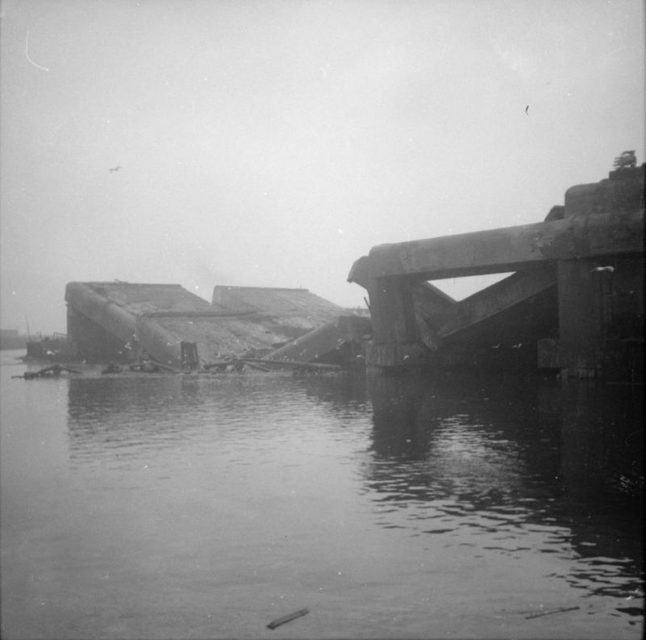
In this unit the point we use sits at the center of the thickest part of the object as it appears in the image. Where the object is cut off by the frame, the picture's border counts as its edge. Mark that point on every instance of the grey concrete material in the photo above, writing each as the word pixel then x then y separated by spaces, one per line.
pixel 324 341
pixel 104 312
pixel 310 346
pixel 392 311
pixel 161 345
pixel 433 302
pixel 88 340
pixel 361 272
pixel 508 248
pixel 157 318
pixel 121 323
pixel 396 355
pixel 578 282
pixel 599 302
pixel 431 307
pixel 496 299
pixel 296 305
pixel 623 191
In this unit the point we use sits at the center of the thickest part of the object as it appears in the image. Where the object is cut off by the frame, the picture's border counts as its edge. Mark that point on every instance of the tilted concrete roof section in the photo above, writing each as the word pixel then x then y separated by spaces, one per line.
pixel 325 343
pixel 159 317
pixel 278 301
pixel 140 298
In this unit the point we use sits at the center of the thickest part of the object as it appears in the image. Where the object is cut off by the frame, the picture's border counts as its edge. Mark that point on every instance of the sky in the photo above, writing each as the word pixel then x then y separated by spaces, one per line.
pixel 272 143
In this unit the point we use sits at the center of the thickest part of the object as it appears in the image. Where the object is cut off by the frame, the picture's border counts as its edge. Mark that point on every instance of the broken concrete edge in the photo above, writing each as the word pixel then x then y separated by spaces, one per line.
pixel 505 249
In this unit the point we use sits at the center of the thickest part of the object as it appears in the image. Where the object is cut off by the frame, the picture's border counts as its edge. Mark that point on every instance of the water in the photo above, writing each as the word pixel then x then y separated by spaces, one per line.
pixel 182 507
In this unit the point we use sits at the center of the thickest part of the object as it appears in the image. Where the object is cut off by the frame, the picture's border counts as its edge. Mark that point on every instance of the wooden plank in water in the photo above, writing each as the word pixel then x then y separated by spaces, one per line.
pixel 549 612
pixel 288 618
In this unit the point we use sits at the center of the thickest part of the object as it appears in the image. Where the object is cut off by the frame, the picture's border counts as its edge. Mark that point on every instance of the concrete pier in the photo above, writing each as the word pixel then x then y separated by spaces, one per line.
pixel 574 302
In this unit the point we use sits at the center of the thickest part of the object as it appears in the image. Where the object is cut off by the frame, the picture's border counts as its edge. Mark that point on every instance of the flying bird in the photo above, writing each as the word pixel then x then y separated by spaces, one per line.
pixel 115 168
pixel 527 109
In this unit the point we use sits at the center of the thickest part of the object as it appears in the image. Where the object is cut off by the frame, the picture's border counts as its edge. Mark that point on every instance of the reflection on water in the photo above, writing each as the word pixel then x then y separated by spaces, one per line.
pixel 107 415
pixel 189 506
pixel 123 415
pixel 466 459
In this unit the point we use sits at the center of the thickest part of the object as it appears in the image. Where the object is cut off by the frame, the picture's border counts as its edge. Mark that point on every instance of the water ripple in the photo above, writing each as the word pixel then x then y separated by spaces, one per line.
pixel 358 497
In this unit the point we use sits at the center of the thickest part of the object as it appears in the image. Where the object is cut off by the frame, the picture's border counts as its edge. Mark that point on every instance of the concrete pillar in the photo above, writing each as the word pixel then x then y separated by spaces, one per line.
pixel 396 336
pixel 596 293
pixel 583 316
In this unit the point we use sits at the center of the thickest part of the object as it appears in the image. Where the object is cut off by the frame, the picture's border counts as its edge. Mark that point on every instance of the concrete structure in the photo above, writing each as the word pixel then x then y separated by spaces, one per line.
pixel 338 342
pixel 126 321
pixel 296 310
pixel 574 303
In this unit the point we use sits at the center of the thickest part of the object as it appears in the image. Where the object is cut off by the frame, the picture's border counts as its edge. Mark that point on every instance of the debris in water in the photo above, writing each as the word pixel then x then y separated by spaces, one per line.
pixel 550 611
pixel 288 618
pixel 112 367
pixel 48 372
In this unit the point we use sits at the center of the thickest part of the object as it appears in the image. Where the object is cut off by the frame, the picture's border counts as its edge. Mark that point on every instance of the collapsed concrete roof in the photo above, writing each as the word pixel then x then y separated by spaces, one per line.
pixel 298 308
pixel 104 318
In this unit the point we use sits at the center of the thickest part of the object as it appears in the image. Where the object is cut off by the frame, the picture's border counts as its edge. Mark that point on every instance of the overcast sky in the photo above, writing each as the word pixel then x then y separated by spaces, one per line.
pixel 272 143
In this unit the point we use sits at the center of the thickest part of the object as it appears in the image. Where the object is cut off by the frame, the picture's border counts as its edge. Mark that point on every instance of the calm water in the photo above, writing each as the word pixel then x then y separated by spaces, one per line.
pixel 186 507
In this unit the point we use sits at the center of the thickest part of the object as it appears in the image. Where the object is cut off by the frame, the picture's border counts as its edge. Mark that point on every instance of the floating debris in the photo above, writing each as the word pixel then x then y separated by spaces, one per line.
pixel 288 618
pixel 549 612
pixel 262 364
pixel 112 367
pixel 48 372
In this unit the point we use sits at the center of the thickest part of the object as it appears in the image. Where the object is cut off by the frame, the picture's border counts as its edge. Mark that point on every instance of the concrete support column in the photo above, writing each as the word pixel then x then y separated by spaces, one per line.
pixel 583 309
pixel 396 337
pixel 601 313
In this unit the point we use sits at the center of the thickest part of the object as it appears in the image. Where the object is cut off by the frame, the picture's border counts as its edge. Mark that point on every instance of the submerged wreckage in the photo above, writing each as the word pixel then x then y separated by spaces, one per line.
pixel 165 323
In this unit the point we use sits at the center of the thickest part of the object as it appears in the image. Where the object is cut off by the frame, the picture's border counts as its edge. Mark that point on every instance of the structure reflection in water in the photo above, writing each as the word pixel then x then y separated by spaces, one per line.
pixel 492 469
pixel 489 463
pixel 603 440
pixel 122 414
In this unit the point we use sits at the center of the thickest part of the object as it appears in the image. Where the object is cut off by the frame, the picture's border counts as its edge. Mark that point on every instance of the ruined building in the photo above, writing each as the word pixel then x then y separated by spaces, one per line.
pixel 165 322
pixel 574 303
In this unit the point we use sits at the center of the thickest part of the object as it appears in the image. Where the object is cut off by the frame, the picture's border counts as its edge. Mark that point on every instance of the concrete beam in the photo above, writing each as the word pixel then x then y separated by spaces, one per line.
pixel 431 306
pixel 122 324
pixel 105 313
pixel 505 249
pixel 496 299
